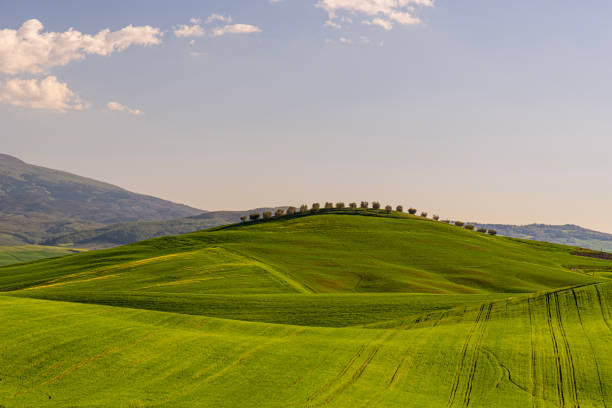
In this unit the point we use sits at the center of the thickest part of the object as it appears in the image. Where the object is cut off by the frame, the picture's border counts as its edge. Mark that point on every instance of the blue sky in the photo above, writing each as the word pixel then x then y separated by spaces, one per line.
pixel 481 111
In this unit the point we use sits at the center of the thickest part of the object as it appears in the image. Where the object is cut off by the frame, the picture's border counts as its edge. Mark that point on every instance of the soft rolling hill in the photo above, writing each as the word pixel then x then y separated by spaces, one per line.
pixel 560 234
pixel 128 232
pixel 24 253
pixel 37 203
pixel 337 309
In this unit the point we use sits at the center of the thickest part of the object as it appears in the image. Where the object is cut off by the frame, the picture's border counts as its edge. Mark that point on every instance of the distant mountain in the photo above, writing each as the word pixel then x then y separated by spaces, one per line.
pixel 125 233
pixel 559 234
pixel 38 204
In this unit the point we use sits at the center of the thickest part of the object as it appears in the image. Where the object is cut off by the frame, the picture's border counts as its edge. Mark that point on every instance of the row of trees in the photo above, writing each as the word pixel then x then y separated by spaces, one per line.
pixel 470 227
pixel 364 205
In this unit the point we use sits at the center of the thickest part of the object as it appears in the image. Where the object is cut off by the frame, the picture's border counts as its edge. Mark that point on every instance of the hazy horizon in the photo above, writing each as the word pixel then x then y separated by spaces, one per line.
pixel 477 111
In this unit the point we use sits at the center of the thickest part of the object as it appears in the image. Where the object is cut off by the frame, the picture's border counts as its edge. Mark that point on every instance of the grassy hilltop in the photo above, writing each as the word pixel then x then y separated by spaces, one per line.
pixel 335 309
pixel 25 253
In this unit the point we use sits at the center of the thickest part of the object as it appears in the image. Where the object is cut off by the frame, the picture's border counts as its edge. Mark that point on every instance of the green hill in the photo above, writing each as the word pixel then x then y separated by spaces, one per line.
pixel 128 232
pixel 37 203
pixel 335 309
pixel 25 253
pixel 560 234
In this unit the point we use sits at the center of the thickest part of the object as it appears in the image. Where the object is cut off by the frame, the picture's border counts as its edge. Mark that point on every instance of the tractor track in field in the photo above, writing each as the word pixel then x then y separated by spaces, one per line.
pixel 562 350
pixel 356 375
pixel 83 363
pixel 232 365
pixel 477 348
pixel 604 310
pixel 568 353
pixel 557 357
pixel 372 348
pixel 505 371
pixel 478 329
pixel 532 361
pixel 586 335
pixel 338 376
pixel 459 370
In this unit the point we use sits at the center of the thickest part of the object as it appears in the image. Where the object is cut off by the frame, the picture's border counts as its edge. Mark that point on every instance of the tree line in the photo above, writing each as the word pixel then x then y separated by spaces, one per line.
pixel 363 206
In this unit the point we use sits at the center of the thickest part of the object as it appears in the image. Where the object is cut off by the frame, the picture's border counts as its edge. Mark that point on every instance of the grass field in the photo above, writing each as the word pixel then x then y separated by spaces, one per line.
pixel 329 310
pixel 25 253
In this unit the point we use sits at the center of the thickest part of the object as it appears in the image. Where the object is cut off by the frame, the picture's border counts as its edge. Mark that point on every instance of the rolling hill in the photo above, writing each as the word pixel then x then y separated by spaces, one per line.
pixel 25 253
pixel 339 309
pixel 128 232
pixel 569 234
pixel 37 204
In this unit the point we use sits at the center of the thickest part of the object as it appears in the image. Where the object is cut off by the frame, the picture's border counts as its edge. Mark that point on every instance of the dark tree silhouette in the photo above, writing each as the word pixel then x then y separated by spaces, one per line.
pixel 267 215
pixel 399 208
pixel 388 209
pixel 243 218
pixel 254 216
pixel 412 211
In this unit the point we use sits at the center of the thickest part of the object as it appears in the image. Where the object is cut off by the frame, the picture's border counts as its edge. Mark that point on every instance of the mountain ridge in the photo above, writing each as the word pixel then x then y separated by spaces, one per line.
pixel 39 203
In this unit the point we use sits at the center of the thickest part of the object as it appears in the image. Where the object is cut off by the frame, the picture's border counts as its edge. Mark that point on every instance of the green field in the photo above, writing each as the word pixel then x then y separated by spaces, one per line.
pixel 25 253
pixel 335 310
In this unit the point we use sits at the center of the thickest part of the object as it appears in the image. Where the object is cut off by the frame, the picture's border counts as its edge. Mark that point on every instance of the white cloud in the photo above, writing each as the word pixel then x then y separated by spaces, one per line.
pixel 364 40
pixel 385 24
pixel 218 17
pixel 194 30
pixel 235 29
pixel 399 11
pixel 47 93
pixel 29 50
pixel 116 106
pixel 332 24
pixel 345 40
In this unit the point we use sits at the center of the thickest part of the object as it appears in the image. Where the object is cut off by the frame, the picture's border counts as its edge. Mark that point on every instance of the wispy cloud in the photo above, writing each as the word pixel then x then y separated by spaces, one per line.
pixel 383 13
pixel 28 50
pixel 47 93
pixel 218 17
pixel 381 22
pixel 332 24
pixel 116 106
pixel 194 30
pixel 235 29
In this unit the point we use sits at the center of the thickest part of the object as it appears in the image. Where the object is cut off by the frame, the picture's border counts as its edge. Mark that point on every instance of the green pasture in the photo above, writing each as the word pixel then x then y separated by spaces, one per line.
pixel 336 309
pixel 25 253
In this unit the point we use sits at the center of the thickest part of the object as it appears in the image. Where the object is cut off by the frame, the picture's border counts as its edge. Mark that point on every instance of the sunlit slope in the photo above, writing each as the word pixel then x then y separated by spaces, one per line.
pixel 544 350
pixel 24 253
pixel 314 254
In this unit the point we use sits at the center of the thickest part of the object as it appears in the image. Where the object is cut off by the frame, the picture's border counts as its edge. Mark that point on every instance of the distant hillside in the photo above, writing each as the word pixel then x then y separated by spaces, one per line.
pixel 573 235
pixel 37 203
pixel 339 309
pixel 126 233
